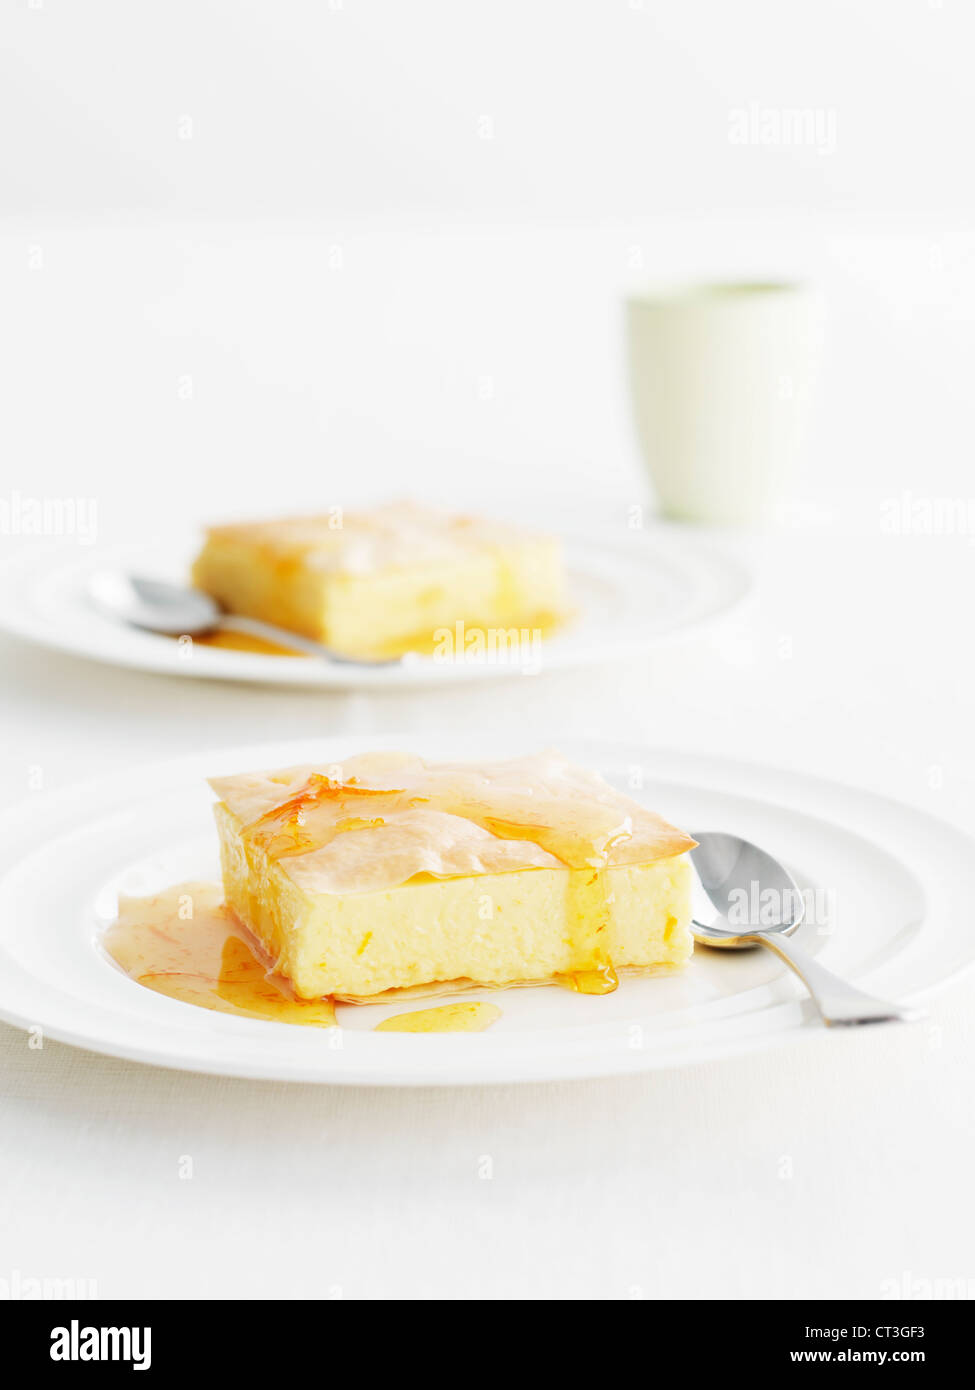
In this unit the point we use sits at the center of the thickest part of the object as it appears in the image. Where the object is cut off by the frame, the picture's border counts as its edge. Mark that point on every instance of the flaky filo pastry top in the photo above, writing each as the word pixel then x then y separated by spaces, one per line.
pixel 397 535
pixel 380 819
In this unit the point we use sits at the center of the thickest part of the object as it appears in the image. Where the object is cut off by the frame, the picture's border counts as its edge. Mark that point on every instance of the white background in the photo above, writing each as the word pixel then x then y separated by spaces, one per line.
pixel 259 255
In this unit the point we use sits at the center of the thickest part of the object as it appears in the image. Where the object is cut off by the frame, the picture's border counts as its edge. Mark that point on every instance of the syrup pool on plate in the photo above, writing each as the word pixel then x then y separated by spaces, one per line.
pixel 185 944
pixel 241 642
pixel 471 1016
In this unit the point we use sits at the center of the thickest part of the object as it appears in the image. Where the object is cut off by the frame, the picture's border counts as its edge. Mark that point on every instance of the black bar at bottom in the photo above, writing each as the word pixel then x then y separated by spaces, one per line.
pixel 164 1339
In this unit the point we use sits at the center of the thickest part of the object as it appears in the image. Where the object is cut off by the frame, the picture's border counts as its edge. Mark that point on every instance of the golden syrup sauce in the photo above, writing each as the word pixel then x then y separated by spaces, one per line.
pixel 425 643
pixel 429 643
pixel 242 642
pixel 185 944
pixel 588 910
pixel 472 1016
pixel 420 644
pixel 315 814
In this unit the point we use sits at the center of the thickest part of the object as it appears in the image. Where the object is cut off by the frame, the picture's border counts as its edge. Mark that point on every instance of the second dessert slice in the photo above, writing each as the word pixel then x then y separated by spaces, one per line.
pixel 386 581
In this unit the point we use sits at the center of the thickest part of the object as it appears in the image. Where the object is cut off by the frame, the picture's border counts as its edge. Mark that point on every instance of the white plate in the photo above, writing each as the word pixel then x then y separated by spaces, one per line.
pixel 638 591
pixel 896 885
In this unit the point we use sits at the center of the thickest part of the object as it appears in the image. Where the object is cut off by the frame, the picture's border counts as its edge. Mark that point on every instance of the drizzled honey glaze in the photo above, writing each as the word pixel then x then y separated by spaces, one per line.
pixel 185 944
pixel 420 644
pixel 314 815
pixel 587 907
pixel 324 807
pixel 430 642
pixel 472 1016
pixel 242 642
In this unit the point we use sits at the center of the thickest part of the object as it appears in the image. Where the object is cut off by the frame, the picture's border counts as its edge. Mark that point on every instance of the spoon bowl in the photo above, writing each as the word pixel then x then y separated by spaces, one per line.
pixel 155 605
pixel 741 889
pixel 744 897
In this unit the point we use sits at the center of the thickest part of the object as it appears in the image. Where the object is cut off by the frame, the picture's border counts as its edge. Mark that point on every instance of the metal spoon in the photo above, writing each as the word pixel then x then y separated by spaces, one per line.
pixel 742 883
pixel 157 606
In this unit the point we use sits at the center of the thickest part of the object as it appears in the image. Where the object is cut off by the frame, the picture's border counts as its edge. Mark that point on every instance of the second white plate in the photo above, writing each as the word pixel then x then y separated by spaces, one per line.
pixel 641 590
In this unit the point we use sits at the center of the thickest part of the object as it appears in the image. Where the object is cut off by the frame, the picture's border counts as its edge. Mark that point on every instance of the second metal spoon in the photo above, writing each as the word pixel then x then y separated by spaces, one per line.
pixel 158 606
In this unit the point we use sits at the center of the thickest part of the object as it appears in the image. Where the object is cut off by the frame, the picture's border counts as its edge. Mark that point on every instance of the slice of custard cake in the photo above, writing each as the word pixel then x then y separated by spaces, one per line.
pixel 392 873
pixel 385 581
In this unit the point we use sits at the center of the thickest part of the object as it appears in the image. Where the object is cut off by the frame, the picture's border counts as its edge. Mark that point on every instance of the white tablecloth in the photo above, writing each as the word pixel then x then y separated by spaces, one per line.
pixel 831 1168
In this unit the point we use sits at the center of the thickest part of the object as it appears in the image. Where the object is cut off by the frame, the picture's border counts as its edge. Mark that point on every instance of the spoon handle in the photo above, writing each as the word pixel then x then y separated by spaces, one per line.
pixel 839 1003
pixel 283 637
